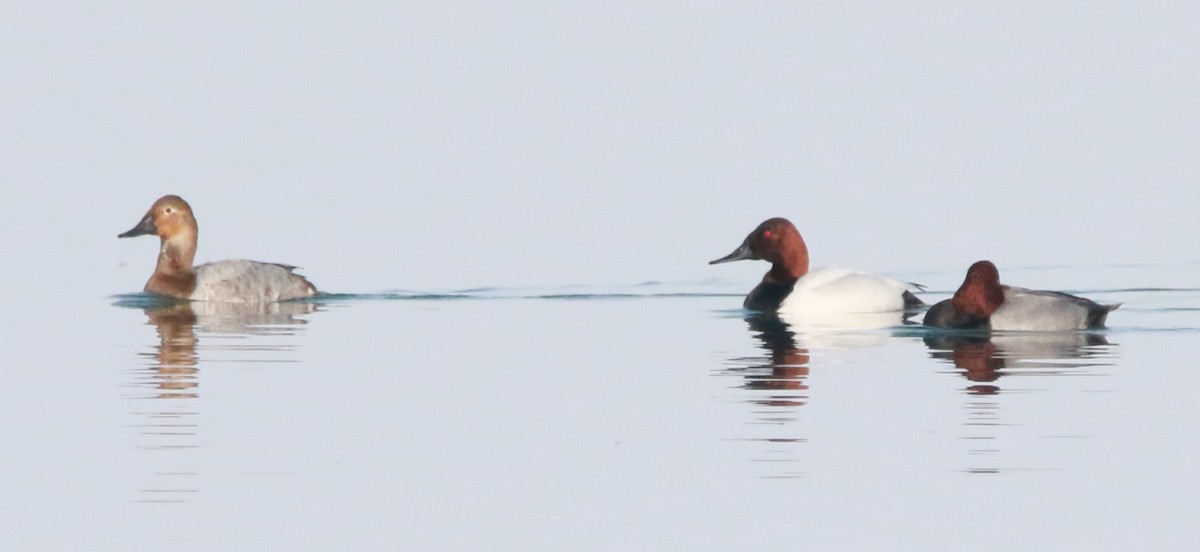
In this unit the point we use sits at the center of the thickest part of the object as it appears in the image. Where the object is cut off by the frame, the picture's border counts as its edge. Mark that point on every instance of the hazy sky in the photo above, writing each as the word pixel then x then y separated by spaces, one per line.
pixel 445 144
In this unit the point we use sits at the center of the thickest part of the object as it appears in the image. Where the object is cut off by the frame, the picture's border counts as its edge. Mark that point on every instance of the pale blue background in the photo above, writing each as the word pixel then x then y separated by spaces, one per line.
pixel 445 144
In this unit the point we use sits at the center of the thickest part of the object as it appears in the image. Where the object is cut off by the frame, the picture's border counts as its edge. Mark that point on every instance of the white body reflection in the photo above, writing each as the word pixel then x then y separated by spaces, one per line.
pixel 843 331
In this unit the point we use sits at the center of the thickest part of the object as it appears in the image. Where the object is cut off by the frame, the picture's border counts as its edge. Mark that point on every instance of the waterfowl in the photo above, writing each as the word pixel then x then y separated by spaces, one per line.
pixel 231 281
pixel 790 287
pixel 982 302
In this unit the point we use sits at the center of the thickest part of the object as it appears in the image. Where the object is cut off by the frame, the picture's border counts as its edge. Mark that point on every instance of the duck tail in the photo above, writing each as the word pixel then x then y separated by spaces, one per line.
pixel 912 302
pixel 1097 317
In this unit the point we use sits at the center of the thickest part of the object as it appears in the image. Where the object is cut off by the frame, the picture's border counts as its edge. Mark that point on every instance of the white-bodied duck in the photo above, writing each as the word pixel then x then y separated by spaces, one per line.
pixel 790 287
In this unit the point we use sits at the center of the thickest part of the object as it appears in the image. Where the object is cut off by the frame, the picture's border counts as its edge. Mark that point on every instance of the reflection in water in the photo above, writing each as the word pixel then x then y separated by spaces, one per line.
pixel 173 372
pixel 984 359
pixel 170 380
pixel 844 331
pixel 778 386
pixel 782 377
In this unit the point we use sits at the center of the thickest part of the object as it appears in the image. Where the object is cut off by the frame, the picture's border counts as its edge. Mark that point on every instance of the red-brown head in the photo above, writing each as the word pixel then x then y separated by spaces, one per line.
pixel 775 240
pixel 980 293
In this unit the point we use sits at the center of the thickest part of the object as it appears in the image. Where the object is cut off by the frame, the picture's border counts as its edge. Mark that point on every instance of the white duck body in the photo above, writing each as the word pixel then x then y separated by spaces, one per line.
pixel 836 290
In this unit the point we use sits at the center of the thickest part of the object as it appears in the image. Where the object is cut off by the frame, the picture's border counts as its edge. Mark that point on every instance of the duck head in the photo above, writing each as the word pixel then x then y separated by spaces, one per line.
pixel 777 241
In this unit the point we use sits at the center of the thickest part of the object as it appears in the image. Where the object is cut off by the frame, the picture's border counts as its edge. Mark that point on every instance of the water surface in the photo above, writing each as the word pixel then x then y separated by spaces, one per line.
pixel 643 417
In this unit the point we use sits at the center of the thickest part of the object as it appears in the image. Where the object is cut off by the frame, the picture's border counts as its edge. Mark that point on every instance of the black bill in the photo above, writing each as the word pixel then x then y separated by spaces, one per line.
pixel 743 252
pixel 145 227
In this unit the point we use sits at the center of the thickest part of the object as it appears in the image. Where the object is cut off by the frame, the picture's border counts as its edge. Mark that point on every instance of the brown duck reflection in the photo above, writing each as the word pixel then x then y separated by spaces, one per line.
pixel 775 385
pixel 174 370
pixel 787 370
pixel 169 424
pixel 984 358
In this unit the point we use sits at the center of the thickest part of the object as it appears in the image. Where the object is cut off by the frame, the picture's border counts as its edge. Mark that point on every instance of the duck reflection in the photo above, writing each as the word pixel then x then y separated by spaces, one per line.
pixel 776 384
pixel 984 358
pixel 845 331
pixel 170 379
pixel 173 370
pixel 786 368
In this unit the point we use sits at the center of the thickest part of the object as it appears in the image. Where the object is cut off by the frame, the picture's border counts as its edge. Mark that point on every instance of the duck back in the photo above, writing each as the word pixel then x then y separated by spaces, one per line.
pixel 1036 310
pixel 242 281
pixel 843 290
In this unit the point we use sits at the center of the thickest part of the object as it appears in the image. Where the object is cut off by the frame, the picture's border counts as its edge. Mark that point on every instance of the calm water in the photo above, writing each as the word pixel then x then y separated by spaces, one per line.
pixel 653 417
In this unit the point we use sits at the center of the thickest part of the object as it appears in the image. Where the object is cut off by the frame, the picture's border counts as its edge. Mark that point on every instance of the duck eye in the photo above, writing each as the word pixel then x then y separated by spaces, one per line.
pixel 167 210
pixel 767 234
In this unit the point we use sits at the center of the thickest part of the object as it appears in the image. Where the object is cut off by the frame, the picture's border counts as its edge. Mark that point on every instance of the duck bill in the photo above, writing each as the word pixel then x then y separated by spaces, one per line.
pixel 742 253
pixel 145 227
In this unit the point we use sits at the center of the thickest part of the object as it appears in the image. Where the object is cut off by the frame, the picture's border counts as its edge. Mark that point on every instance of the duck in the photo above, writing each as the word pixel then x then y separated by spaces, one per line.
pixel 791 288
pixel 228 281
pixel 982 302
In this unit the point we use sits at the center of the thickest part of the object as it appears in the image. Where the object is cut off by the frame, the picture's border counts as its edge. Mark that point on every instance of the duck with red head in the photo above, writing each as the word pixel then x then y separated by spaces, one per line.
pixel 790 287
pixel 974 302
pixel 981 302
pixel 230 281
